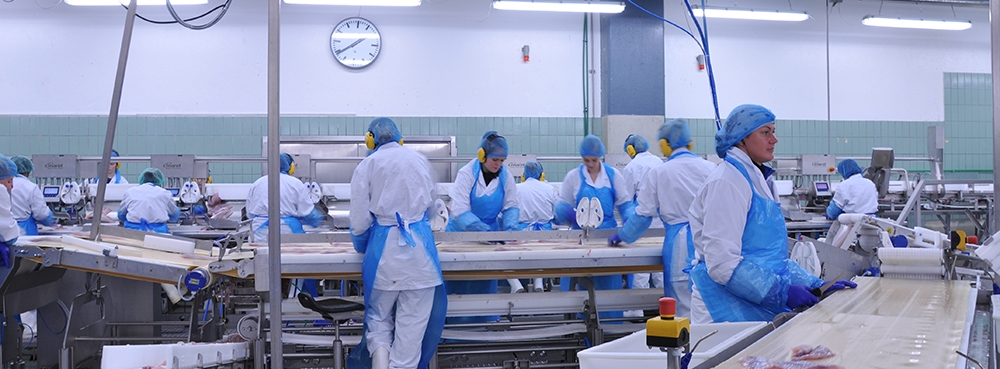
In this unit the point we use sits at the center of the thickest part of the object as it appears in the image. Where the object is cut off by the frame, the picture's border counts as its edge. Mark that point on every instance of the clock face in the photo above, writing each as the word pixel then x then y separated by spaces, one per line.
pixel 355 42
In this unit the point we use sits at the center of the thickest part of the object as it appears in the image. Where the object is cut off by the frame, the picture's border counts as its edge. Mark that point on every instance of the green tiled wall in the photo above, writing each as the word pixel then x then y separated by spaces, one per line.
pixel 967 105
pixel 242 136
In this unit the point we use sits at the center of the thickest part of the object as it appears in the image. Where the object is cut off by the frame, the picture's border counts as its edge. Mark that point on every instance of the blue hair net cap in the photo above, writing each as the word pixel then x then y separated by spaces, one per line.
pixel 741 122
pixel 676 132
pixel 592 146
pixel 7 167
pixel 114 153
pixel 495 147
pixel 286 162
pixel 638 142
pixel 848 167
pixel 532 169
pixel 384 130
pixel 151 175
pixel 24 165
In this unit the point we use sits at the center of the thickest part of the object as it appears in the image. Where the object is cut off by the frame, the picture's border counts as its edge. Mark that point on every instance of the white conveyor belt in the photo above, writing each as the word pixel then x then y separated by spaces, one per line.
pixel 884 323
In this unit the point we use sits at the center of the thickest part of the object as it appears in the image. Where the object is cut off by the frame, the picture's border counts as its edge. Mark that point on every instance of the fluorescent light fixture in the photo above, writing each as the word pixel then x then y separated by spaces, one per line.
pixel 581 6
pixel 357 2
pixel 126 2
pixel 771 15
pixel 945 25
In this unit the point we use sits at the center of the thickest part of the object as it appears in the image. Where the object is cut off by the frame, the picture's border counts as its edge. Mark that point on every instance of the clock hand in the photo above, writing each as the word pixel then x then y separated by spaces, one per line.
pixel 350 46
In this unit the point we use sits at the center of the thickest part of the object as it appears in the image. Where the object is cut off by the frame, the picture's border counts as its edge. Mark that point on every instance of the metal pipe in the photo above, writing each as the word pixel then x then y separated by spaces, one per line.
pixel 273 183
pixel 995 56
pixel 116 100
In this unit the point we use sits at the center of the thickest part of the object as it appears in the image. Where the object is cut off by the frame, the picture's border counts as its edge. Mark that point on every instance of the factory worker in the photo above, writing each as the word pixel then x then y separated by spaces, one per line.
pixel 642 161
pixel 483 198
pixel 667 192
pixel 405 300
pixel 26 200
pixel 148 207
pixel 743 272
pixel 537 199
pixel 856 194
pixel 114 176
pixel 9 231
pixel 594 179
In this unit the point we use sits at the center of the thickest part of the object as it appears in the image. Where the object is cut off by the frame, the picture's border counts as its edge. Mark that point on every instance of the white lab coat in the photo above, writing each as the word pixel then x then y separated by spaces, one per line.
pixel 8 226
pixel 294 203
pixel 856 194
pixel 718 217
pixel 462 188
pixel 636 169
pixel 27 200
pixel 395 179
pixel 115 179
pixel 536 199
pixel 571 185
pixel 149 202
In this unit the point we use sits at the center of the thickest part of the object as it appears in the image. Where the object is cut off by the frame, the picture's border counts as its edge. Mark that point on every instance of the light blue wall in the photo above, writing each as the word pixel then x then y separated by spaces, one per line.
pixel 968 128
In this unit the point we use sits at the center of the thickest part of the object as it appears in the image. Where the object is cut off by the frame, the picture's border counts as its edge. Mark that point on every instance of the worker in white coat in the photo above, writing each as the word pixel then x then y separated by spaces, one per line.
pixel 642 161
pixel 743 272
pixel 296 207
pixel 405 303
pixel 26 200
pixel 594 179
pixel 667 192
pixel 148 207
pixel 114 176
pixel 483 199
pixel 9 231
pixel 537 200
pixel 856 194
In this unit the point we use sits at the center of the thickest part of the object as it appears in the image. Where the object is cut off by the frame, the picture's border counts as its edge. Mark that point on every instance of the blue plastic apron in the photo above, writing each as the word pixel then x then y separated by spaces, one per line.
pixel 147 227
pixel 671 231
pixel 765 243
pixel 29 226
pixel 536 226
pixel 360 357
pixel 607 197
pixel 486 208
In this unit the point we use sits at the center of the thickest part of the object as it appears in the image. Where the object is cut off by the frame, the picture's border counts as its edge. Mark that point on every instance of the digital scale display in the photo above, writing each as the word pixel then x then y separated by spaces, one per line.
pixel 822 188
pixel 174 191
pixel 50 191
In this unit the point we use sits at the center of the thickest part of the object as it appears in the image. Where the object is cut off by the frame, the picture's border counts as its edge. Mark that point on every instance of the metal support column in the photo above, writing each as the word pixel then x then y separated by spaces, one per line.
pixel 273 183
pixel 995 56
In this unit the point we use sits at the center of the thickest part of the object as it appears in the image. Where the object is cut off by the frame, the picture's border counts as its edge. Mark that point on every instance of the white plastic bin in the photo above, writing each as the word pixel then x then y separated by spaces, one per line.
pixel 631 351
pixel 187 355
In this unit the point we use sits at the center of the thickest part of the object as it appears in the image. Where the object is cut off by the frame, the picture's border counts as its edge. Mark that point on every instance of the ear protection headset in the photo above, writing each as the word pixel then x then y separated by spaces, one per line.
pixel 667 149
pixel 542 177
pixel 481 154
pixel 370 140
pixel 630 149
pixel 291 169
pixel 118 165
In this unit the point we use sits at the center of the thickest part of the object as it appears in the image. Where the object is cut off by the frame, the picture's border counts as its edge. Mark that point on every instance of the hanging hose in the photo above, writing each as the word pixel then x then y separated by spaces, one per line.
pixel 586 86
pixel 182 22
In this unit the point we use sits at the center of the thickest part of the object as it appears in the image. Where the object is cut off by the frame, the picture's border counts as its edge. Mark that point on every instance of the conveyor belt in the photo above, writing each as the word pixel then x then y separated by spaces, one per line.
pixel 884 323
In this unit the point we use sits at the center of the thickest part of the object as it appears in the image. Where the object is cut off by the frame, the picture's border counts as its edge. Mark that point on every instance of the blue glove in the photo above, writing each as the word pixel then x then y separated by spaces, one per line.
pixel 198 210
pixel 5 253
pixel 477 227
pixel 800 296
pixel 174 217
pixel 469 222
pixel 839 285
pixel 49 221
pixel 121 214
pixel 511 219
pixel 872 272
pixel 565 213
pixel 315 218
pixel 833 211
pixel 614 240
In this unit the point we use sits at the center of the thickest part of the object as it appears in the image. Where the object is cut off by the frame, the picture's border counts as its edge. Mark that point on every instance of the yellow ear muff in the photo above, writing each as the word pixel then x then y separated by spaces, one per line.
pixel 665 147
pixel 542 177
pixel 291 169
pixel 691 146
pixel 370 140
pixel 209 180
pixel 118 165
pixel 630 150
pixel 400 142
pixel 481 155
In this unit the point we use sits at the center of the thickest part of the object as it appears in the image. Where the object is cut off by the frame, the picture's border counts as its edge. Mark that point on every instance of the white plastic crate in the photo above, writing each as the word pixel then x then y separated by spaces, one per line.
pixel 631 351
pixel 188 355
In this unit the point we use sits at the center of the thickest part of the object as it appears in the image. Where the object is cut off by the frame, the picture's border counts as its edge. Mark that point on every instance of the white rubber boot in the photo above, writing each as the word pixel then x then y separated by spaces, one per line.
pixel 380 358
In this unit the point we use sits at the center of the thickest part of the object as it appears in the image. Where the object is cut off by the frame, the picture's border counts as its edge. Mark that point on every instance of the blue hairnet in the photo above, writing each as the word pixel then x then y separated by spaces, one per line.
pixel 384 130
pixel 151 175
pixel 592 146
pixel 7 167
pixel 114 153
pixel 24 164
pixel 638 142
pixel 286 162
pixel 676 132
pixel 532 169
pixel 740 123
pixel 495 147
pixel 848 167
